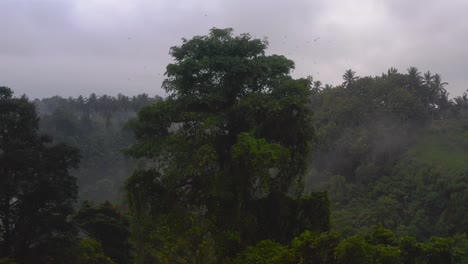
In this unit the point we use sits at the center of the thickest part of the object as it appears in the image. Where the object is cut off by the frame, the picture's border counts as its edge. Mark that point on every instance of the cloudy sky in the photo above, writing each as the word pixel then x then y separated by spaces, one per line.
pixel 73 47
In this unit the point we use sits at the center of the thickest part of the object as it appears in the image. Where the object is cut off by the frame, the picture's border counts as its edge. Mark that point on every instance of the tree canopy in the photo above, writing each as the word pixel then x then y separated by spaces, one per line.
pixel 234 129
pixel 36 190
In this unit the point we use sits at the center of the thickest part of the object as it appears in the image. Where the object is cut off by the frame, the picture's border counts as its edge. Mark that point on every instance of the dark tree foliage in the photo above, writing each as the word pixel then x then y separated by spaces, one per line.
pixel 275 214
pixel 460 104
pixel 105 224
pixel 234 129
pixel 90 252
pixel 36 189
pixel 379 246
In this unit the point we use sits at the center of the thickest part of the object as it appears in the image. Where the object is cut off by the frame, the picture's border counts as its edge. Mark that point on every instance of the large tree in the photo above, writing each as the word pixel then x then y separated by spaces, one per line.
pixel 36 190
pixel 233 132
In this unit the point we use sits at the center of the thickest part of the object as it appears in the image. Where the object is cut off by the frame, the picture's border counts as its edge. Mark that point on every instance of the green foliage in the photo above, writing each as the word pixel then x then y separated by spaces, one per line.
pixel 315 247
pixel 387 153
pixel 6 260
pixel 218 151
pixel 441 250
pixel 161 232
pixel 354 250
pixel 411 250
pixel 444 146
pixel 367 123
pixel 385 254
pixel 91 252
pixel 257 155
pixel 219 143
pixel 173 238
pixel 282 217
pixel 423 195
pixel 266 252
pixel 312 247
pixel 381 235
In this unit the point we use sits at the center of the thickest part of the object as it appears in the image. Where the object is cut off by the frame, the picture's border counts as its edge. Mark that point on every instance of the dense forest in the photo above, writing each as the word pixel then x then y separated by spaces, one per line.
pixel 239 163
pixel 95 125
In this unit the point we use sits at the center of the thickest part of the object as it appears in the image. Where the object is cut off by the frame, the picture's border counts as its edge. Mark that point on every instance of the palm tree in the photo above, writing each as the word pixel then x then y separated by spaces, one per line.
pixel 414 77
pixel 440 94
pixel 461 104
pixel 428 87
pixel 428 78
pixel 328 87
pixel 461 101
pixel 438 82
pixel 349 77
pixel 392 71
pixel 439 89
pixel 318 85
pixel 443 103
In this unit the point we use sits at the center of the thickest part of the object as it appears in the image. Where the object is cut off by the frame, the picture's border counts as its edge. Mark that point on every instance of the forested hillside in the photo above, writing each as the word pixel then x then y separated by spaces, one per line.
pixel 422 193
pixel 392 149
pixel 239 163
pixel 96 126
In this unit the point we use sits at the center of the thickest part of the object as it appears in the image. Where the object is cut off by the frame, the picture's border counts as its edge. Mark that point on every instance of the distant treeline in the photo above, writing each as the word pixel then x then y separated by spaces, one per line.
pixel 94 103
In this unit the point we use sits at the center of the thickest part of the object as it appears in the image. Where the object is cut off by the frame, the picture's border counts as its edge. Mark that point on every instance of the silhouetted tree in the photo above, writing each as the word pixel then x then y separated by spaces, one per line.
pixel 36 190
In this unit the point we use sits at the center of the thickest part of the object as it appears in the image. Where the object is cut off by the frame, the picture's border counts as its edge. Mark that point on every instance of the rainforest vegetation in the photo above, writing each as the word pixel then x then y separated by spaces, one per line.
pixel 239 163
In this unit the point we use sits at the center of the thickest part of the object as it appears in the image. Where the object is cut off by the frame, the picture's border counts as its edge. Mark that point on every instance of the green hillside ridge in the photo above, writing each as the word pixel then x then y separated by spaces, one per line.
pixel 424 194
pixel 444 145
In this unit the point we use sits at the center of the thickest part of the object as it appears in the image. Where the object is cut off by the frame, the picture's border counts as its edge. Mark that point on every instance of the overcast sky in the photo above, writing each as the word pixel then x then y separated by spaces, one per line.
pixel 73 47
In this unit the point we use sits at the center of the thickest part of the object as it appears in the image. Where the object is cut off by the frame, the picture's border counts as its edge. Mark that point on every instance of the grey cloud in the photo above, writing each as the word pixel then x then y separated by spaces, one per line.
pixel 78 46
